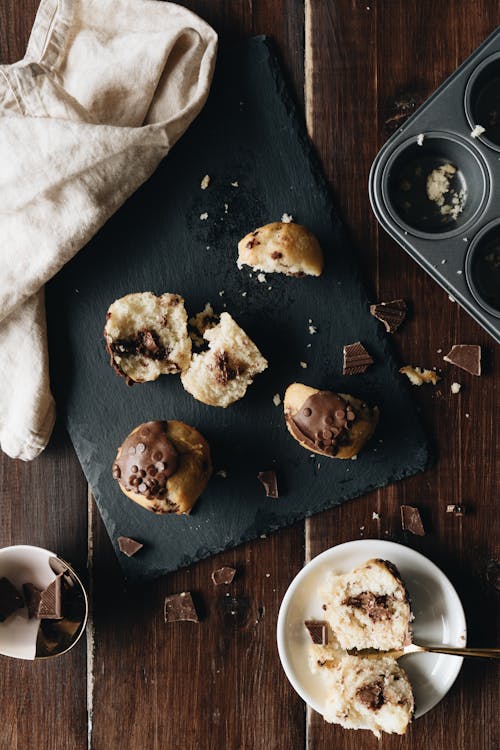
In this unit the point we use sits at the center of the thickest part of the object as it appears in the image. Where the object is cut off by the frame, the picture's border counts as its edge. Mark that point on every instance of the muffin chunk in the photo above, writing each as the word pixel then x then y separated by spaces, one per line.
pixel 281 247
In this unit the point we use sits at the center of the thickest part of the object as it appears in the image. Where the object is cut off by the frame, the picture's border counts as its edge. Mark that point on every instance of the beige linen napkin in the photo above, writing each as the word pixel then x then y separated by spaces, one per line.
pixel 105 89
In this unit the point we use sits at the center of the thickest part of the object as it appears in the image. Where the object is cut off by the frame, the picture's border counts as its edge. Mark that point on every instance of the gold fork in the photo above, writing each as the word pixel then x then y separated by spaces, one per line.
pixel 371 653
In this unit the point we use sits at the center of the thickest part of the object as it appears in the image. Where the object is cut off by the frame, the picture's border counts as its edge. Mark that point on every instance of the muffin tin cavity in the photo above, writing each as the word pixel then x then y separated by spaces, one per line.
pixel 482 100
pixel 434 188
pixel 435 185
pixel 482 268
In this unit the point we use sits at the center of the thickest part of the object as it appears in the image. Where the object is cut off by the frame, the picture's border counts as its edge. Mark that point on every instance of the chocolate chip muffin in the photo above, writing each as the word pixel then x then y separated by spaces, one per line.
pixel 146 336
pixel 281 247
pixel 221 375
pixel 332 424
pixel 164 466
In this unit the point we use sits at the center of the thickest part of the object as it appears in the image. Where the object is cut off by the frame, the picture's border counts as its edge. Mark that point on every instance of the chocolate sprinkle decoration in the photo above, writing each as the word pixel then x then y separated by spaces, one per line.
pixel 392 314
pixel 129 546
pixel 465 356
pixel 180 607
pixel 318 630
pixel 270 482
pixel 411 520
pixel 356 359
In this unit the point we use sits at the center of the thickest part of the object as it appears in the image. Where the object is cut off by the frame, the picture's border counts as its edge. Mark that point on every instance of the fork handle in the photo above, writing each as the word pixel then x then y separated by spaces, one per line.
pixel 486 653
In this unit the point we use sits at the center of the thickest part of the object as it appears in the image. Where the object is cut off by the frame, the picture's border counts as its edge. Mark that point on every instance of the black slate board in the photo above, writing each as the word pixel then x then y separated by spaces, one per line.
pixel 249 132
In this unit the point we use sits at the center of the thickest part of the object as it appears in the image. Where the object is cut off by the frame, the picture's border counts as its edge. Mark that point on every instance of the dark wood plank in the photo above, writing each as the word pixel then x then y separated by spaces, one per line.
pixel 364 55
pixel 218 683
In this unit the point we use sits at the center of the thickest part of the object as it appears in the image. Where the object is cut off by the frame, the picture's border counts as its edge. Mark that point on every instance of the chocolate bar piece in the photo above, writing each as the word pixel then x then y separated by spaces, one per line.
pixel 318 630
pixel 465 356
pixel 392 314
pixel 179 607
pixel 356 359
pixel 50 606
pixel 10 599
pixel 128 546
pixel 32 596
pixel 223 575
pixel 270 482
pixel 411 520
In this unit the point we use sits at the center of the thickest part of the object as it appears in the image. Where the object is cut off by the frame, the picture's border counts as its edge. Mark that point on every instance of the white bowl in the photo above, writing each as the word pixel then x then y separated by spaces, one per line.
pixel 439 619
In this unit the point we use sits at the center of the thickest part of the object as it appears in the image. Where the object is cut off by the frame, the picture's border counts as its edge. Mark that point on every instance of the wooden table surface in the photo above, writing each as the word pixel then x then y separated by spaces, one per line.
pixel 135 682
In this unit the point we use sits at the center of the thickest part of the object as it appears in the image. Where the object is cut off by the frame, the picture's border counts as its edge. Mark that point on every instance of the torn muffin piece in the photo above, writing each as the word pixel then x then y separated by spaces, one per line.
pixel 281 247
pixel 146 336
pixel 221 375
pixel 368 607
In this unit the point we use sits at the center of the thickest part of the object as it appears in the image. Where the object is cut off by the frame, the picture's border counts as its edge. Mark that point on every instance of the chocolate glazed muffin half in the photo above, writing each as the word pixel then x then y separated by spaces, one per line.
pixel 163 466
pixel 332 424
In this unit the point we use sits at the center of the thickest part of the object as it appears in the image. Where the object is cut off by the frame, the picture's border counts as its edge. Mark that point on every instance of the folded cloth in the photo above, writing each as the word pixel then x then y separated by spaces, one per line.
pixel 105 89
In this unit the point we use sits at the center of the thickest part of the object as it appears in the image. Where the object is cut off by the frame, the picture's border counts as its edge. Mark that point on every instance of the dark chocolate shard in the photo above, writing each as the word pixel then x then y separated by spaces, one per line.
pixel 180 607
pixel 270 482
pixel 128 545
pixel 465 356
pixel 50 606
pixel 10 599
pixel 411 520
pixel 356 359
pixel 223 575
pixel 392 314
pixel 318 630
pixel 32 596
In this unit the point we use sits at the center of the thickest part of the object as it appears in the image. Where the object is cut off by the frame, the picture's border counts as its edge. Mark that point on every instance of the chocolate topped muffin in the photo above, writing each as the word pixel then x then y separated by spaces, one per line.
pixel 164 466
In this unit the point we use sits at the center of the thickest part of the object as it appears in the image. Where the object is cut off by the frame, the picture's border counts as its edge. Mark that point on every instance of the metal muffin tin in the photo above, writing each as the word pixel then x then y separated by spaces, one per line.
pixel 455 236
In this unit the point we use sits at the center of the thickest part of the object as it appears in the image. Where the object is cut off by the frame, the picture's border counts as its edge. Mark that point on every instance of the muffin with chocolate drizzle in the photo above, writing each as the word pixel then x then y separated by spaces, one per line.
pixel 332 424
pixel 164 466
pixel 146 336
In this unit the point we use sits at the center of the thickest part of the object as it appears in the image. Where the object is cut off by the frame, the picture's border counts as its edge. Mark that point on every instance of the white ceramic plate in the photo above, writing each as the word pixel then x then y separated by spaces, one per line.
pixel 439 618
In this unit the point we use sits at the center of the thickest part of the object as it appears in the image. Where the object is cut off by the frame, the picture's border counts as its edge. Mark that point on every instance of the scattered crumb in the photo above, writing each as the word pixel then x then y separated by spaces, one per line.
pixel 313 330
pixel 235 184
pixel 418 375
pixel 222 473
pixel 221 293
pixel 204 216
pixel 465 239
pixel 269 288
pixel 286 218
pixel 268 575
pixel 375 516
pixel 77 291
pixel 443 261
pixel 244 294
pixel 438 185
pixel 457 510
pixel 420 139
pixel 459 273
pixel 452 299
pixel 308 346
pixel 467 415
pixel 205 182
pixel 455 387
pixel 303 365
pixel 439 351
pixel 263 536
pixel 477 131
pixel 226 208
pixel 276 399
pixel 354 458
pixel 361 528
pixel 261 277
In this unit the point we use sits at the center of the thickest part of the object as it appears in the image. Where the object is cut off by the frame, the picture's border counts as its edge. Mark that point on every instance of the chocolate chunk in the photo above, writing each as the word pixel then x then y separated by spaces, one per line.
pixel 465 356
pixel 318 630
pixel 323 411
pixel 392 314
pixel 10 599
pixel 179 607
pixel 372 695
pixel 275 255
pixel 129 546
pixel 270 482
pixel 225 369
pixel 356 359
pixel 137 458
pixel 376 607
pixel 50 606
pixel 411 520
pixel 32 596
pixel 223 575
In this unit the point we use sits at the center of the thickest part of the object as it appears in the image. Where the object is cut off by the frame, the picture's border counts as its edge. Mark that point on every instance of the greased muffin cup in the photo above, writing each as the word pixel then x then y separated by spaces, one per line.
pixel 435 185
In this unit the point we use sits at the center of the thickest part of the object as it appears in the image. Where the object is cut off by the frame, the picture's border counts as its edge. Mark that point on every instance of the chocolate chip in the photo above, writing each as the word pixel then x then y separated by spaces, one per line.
pixel 327 434
pixel 276 255
pixel 329 419
pixel 134 469
pixel 142 487
pixel 340 414
pixel 142 473
pixel 306 412
pixel 141 447
pixel 157 455
pixel 153 471
pixel 116 471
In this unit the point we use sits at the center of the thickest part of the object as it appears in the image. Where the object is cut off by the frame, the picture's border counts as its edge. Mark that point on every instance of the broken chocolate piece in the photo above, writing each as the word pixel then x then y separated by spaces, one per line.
pixel 376 607
pixel 391 314
pixel 270 482
pixel 223 575
pixel 356 359
pixel 10 599
pixel 50 606
pixel 465 356
pixel 411 520
pixel 318 630
pixel 180 607
pixel 129 546
pixel 32 596
pixel 372 696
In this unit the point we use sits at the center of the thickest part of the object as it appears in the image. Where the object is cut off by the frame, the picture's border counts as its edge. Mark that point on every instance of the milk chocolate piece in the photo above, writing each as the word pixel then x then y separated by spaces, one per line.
pixel 372 695
pixel 50 606
pixel 270 482
pixel 318 630
pixel 10 599
pixel 129 546
pixel 180 607
pixel 465 356
pixel 223 575
pixel 392 314
pixel 356 359
pixel 146 460
pixel 323 422
pixel 32 596
pixel 411 520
